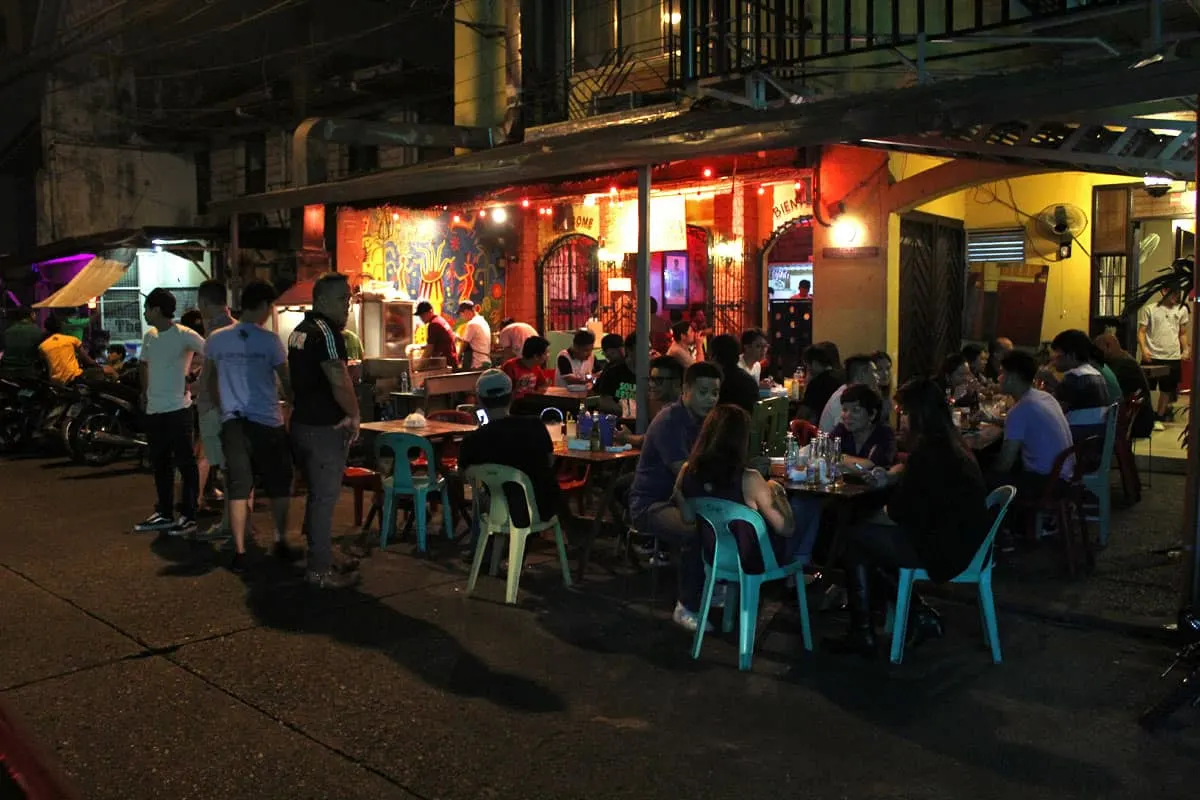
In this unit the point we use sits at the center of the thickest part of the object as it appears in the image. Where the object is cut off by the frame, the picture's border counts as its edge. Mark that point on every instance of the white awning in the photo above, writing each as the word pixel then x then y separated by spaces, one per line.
pixel 92 281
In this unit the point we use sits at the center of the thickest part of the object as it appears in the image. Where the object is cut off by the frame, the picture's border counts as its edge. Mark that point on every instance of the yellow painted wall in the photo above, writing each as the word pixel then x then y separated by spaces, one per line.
pixel 1010 203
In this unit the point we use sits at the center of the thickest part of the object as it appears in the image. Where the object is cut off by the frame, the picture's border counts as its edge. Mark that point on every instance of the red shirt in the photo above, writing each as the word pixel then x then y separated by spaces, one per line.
pixel 525 379
pixel 441 341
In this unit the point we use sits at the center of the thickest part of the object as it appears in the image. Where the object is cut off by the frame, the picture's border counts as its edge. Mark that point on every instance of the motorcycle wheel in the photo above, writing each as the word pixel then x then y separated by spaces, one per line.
pixel 70 437
pixel 12 431
pixel 1184 693
pixel 93 453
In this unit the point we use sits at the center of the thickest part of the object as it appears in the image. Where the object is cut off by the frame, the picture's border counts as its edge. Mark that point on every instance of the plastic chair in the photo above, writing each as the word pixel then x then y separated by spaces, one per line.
pixel 1099 482
pixel 978 572
pixel 769 427
pixel 804 431
pixel 404 483
pixel 497 521
pixel 727 566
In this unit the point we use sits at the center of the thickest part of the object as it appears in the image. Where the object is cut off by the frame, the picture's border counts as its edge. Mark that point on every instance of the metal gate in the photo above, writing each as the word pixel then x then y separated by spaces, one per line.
pixel 932 281
pixel 570 283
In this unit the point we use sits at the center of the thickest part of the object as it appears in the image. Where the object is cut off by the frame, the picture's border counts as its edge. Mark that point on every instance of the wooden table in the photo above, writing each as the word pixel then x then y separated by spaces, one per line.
pixel 432 429
pixel 562 391
pixel 607 469
pixel 987 435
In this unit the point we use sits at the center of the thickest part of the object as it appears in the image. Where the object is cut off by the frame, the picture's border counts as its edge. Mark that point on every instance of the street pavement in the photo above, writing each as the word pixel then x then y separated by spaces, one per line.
pixel 147 670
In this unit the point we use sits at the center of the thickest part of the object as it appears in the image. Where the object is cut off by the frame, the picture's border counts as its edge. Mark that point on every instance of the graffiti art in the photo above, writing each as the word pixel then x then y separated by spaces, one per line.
pixel 436 257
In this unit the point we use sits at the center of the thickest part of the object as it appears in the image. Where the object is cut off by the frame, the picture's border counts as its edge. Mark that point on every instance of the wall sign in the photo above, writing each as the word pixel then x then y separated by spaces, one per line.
pixel 668 226
pixel 791 200
pixel 850 252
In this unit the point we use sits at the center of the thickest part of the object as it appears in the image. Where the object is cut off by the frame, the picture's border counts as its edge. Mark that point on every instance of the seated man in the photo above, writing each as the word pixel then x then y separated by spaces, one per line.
pixel 513 441
pixel 576 364
pixel 666 384
pixel 668 441
pixel 1036 430
pixel 618 378
pixel 737 387
pixel 823 381
pixel 860 371
pixel 528 371
pixel 1083 391
pixel 20 345
pixel 62 353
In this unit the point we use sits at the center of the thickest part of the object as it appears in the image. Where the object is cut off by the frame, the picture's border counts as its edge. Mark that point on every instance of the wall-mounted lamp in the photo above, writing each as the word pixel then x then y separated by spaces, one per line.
pixel 499 216
pixel 1157 185
pixel 606 256
pixel 728 248
pixel 847 232
pixel 620 284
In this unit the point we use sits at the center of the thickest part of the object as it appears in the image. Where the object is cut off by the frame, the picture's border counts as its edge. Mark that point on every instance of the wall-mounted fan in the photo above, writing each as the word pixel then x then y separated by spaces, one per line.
pixel 1058 226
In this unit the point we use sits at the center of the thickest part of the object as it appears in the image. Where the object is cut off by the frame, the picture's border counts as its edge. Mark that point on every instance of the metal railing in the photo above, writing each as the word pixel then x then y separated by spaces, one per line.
pixel 723 38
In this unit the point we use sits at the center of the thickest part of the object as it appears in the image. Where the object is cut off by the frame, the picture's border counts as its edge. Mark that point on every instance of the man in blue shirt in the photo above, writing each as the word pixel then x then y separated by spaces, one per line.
pixel 243 364
pixel 668 441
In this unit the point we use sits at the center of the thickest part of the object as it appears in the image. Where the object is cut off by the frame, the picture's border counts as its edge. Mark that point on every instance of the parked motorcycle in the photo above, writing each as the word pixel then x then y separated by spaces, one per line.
pixel 19 413
pixel 111 424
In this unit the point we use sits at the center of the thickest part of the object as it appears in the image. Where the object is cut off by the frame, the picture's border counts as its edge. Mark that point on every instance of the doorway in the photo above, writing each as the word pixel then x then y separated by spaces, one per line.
pixel 570 283
pixel 932 277
pixel 788 288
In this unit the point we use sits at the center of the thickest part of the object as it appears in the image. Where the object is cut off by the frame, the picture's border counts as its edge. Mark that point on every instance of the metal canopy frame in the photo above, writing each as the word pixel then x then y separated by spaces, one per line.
pixel 881 115
pixel 1135 146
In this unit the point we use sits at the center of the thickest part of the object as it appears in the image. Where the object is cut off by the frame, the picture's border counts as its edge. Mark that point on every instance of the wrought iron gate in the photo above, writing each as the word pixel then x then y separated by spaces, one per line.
pixel 569 283
pixel 932 282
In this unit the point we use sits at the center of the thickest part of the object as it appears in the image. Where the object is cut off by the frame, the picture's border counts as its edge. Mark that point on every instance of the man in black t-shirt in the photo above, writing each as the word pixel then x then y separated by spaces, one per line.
pixel 737 387
pixel 619 354
pixel 324 421
pixel 823 381
pixel 519 442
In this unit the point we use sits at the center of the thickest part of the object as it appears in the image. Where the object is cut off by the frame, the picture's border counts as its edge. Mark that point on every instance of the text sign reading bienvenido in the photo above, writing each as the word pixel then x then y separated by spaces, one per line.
pixel 791 200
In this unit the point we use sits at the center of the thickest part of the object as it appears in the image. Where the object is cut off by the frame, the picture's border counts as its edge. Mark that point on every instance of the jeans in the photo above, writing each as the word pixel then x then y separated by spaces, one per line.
pixel 321 455
pixel 169 440
pixel 807 513
pixel 665 521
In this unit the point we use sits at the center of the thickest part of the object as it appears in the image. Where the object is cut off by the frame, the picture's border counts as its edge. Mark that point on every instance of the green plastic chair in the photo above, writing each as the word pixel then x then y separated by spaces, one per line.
pixel 404 483
pixel 497 521
pixel 727 566
pixel 1099 483
pixel 978 572
pixel 769 427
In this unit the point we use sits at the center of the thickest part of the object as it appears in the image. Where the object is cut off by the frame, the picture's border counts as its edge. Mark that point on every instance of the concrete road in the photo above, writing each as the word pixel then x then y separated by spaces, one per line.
pixel 149 671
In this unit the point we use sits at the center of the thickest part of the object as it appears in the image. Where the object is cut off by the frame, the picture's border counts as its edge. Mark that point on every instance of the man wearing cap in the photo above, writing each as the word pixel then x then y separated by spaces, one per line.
pixel 513 441
pixel 478 336
pixel 438 334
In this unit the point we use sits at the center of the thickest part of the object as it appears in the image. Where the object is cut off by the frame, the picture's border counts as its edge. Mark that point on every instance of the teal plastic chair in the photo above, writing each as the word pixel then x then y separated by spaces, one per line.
pixel 404 483
pixel 1099 483
pixel 497 521
pixel 978 572
pixel 727 566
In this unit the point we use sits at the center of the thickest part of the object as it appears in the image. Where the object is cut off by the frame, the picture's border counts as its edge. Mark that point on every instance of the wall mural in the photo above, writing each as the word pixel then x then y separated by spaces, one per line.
pixel 426 256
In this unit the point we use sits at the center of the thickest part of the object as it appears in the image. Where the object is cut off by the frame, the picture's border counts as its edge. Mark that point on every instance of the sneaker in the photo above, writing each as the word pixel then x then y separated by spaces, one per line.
pixel 689 620
pixel 237 564
pixel 154 523
pixel 214 533
pixel 186 526
pixel 285 553
pixel 1158 426
pixel 332 579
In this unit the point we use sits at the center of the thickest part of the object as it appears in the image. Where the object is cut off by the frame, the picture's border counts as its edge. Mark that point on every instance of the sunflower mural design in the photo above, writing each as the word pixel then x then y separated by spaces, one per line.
pixel 429 257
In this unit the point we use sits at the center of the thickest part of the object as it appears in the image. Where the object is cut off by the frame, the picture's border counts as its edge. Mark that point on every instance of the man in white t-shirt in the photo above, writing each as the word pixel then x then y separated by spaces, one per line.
pixel 860 369
pixel 1162 336
pixel 166 361
pixel 477 335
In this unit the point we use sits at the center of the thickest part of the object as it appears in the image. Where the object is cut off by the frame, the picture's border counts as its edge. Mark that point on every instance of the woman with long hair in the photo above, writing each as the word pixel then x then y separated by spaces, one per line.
pixel 719 466
pixel 935 518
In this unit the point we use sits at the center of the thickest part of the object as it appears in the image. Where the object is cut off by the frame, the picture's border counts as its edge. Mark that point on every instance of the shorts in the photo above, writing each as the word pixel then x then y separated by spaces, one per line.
pixel 1169 383
pixel 210 437
pixel 256 450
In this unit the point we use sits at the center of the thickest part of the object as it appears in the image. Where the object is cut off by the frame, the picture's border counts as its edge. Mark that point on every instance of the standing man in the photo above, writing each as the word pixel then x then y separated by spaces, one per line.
pixel 439 336
pixel 167 353
pixel 478 336
pixel 212 300
pixel 1162 335
pixel 325 419
pixel 20 345
pixel 242 364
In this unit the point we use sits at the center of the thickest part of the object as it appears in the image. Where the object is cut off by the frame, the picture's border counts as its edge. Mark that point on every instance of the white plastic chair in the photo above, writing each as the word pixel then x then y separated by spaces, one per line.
pixel 497 521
